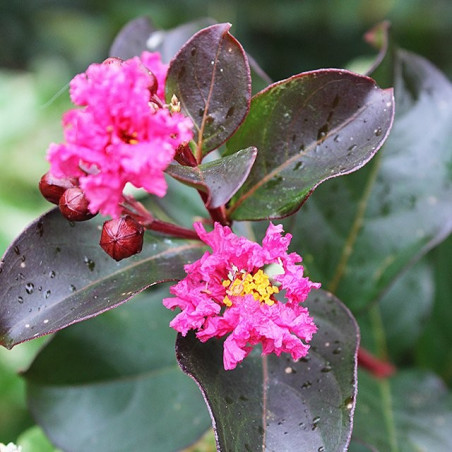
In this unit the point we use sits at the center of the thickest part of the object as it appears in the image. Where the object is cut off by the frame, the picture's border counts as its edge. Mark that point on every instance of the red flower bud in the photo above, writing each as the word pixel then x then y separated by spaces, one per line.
pixel 74 205
pixel 52 188
pixel 122 237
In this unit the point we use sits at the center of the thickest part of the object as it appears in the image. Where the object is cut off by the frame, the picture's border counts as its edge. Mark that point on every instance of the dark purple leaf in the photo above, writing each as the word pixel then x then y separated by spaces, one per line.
pixel 219 179
pixel 273 403
pixel 113 384
pixel 211 78
pixel 308 128
pixel 139 35
pixel 131 39
pixel 55 274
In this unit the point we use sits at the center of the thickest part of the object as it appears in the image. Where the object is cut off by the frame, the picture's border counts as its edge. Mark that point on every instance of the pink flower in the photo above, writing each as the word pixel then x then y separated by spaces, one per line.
pixel 123 133
pixel 251 293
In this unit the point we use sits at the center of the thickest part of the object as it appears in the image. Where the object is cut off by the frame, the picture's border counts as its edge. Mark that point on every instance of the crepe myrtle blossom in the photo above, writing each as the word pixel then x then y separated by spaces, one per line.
pixel 123 133
pixel 234 290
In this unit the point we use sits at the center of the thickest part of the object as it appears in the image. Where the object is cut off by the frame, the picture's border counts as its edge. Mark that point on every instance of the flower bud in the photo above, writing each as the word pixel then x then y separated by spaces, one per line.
pixel 52 188
pixel 122 237
pixel 74 205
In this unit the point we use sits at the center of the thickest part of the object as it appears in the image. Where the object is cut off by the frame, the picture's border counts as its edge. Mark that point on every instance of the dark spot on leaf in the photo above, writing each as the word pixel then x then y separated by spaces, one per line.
pixel 29 288
pixel 315 423
pixel 228 400
pixel 230 112
pixel 16 250
pixel 298 166
pixel 40 228
pixel 20 300
pixel 272 183
pixel 89 263
pixel 336 101
pixel 193 51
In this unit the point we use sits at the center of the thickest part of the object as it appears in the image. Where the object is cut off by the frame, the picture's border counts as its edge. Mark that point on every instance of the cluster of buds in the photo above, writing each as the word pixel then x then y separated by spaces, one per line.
pixel 120 238
pixel 67 195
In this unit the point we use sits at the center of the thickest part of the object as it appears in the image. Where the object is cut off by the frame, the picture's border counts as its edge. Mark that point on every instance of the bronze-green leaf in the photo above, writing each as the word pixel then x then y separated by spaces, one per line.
pixel 211 78
pixel 308 128
pixel 55 274
pixel 219 179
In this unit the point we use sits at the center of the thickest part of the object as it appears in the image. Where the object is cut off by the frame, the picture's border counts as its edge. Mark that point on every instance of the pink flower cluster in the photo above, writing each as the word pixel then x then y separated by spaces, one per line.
pixel 123 133
pixel 251 293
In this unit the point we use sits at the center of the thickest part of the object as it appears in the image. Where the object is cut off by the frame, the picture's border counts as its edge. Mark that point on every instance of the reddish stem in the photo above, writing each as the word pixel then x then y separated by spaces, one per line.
pixel 377 367
pixel 185 157
pixel 145 218
pixel 218 213
pixel 171 229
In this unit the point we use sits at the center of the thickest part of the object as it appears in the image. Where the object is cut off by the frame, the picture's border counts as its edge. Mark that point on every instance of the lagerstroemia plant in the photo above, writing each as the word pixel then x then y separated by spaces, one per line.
pixel 272 350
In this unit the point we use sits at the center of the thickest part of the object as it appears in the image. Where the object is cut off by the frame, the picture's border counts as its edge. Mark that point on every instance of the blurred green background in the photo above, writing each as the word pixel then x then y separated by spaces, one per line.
pixel 44 43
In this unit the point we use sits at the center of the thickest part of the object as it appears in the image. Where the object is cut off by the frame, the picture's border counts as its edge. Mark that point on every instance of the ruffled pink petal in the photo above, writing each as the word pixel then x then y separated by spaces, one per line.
pixel 284 327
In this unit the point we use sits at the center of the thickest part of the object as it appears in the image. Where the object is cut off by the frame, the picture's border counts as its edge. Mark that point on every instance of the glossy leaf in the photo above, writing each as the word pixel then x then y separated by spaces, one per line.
pixel 131 39
pixel 362 231
pixel 219 179
pixel 271 403
pixel 56 274
pixel 308 128
pixel 139 35
pixel 410 412
pixel 115 385
pixel 211 78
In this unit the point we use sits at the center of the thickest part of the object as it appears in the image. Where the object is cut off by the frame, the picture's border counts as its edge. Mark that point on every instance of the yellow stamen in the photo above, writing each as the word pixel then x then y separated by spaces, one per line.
pixel 257 285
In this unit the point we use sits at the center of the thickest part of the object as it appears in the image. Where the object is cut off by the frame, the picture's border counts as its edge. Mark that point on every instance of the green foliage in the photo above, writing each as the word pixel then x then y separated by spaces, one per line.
pixel 115 384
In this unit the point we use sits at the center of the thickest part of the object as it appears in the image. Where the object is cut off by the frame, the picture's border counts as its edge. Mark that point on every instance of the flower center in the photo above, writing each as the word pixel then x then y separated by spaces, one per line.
pixel 257 285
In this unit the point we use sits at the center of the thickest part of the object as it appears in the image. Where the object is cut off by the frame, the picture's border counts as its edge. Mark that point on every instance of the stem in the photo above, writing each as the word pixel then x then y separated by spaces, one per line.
pixel 217 214
pixel 377 367
pixel 134 208
pixel 171 229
